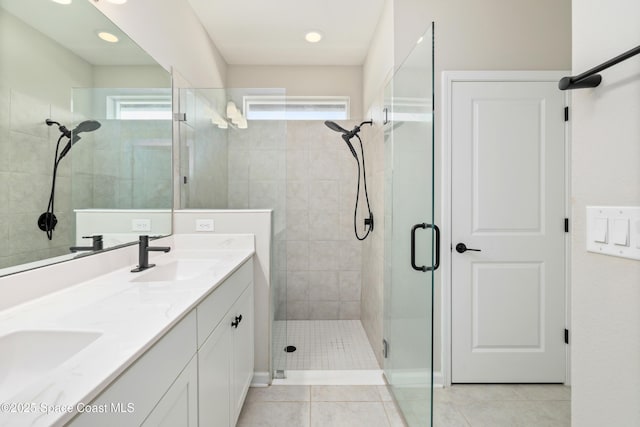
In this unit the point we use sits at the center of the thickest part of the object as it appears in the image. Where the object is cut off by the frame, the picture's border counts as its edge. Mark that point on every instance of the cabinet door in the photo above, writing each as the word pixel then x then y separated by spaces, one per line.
pixel 214 378
pixel 242 362
pixel 179 406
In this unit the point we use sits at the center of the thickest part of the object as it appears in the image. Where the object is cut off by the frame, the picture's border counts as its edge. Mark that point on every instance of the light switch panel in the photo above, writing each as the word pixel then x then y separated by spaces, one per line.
pixel 141 224
pixel 620 234
pixel 614 231
pixel 204 225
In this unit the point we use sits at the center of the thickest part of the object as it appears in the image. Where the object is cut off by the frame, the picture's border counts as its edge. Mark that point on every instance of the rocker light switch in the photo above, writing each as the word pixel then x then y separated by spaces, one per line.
pixel 620 234
pixel 600 229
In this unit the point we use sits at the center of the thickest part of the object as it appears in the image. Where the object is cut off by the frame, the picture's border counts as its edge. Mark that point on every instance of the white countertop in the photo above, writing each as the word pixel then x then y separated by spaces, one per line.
pixel 130 316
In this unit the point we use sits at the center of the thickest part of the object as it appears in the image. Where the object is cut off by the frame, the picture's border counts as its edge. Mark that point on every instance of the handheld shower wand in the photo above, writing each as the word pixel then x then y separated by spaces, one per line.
pixel 347 135
pixel 47 221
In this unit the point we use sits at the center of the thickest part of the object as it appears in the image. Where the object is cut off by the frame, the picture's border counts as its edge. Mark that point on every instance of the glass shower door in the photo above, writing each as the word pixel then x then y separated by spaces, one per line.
pixel 411 237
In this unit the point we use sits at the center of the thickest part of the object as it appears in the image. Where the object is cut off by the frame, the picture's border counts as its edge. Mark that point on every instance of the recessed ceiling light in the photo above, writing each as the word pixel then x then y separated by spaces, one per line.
pixel 117 1
pixel 108 37
pixel 62 1
pixel 420 40
pixel 313 37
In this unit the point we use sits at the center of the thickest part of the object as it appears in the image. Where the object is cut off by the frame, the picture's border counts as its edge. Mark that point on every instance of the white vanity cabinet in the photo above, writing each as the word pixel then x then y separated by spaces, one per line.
pixel 136 393
pixel 179 405
pixel 197 374
pixel 225 357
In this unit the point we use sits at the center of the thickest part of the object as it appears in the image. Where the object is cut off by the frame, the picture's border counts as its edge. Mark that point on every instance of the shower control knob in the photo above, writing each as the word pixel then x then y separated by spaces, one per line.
pixel 237 321
pixel 462 248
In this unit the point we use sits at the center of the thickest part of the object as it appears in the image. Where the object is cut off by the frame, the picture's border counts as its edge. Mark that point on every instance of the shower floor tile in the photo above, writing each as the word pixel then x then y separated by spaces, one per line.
pixel 323 345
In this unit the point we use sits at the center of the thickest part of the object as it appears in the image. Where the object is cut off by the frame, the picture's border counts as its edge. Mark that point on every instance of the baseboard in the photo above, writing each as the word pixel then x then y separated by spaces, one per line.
pixel 261 379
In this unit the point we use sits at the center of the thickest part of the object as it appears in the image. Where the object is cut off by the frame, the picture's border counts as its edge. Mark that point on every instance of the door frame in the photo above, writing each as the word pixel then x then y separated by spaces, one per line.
pixel 448 79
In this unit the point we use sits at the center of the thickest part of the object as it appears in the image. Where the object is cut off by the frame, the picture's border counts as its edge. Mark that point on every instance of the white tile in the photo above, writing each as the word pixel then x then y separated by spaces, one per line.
pixel 324 256
pixel 324 310
pixel 298 224
pixel 263 194
pixel 297 195
pixel 393 415
pixel 274 414
pixel 324 195
pixel 470 393
pixel 354 393
pixel 350 285
pixel 323 286
pixel 278 393
pixel 348 414
pixel 298 255
pixel 238 165
pixel 349 310
pixel 297 285
pixel 447 415
pixel 543 392
pixel 508 414
pixel 350 255
pixel 324 225
pixel 297 165
pixel 323 165
pixel 267 165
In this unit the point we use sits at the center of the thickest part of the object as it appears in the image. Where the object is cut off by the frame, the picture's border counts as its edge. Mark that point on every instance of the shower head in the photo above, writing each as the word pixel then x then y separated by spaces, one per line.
pixel 86 126
pixel 346 135
pixel 334 126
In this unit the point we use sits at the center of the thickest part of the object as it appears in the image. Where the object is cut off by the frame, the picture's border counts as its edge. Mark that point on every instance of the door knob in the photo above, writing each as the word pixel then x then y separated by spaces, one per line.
pixel 462 248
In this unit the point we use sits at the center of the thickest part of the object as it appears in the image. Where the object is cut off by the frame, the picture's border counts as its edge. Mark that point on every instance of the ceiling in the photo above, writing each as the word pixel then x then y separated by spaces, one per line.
pixel 74 26
pixel 259 32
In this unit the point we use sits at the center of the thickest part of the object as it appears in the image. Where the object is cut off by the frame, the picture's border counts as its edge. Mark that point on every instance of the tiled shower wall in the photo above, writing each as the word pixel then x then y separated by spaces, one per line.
pixel 323 256
pixel 307 175
pixel 203 152
pixel 126 164
pixel 27 148
pixel 373 251
pixel 257 180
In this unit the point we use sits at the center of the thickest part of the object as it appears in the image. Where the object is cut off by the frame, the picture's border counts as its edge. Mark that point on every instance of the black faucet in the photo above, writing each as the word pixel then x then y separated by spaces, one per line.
pixel 143 254
pixel 95 246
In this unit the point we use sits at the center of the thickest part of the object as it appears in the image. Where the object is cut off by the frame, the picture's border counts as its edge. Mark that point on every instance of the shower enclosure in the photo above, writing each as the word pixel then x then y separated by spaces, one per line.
pixel 411 236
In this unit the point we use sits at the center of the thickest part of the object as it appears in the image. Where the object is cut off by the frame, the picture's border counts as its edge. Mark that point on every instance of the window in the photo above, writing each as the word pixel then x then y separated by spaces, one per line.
pixel 139 107
pixel 296 107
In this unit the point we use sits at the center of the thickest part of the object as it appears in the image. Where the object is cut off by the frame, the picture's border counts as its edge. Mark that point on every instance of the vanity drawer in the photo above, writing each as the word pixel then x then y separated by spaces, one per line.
pixel 214 307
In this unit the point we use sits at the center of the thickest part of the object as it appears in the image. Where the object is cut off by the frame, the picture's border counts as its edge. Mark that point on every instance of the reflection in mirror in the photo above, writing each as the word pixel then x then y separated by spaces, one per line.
pixel 101 164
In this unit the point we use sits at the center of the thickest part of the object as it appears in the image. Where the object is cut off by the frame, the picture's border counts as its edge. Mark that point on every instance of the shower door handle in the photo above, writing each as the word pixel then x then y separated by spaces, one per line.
pixel 424 268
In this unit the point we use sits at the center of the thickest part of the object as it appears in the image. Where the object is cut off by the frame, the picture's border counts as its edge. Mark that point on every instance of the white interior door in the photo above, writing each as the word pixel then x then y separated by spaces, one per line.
pixel 508 195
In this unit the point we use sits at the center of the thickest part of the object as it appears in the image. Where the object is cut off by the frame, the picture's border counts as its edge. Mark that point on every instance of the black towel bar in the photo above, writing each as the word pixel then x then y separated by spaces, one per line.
pixel 591 78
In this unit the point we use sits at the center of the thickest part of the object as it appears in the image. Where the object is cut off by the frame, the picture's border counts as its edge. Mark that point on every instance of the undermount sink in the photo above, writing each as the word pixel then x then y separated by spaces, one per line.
pixel 175 271
pixel 27 355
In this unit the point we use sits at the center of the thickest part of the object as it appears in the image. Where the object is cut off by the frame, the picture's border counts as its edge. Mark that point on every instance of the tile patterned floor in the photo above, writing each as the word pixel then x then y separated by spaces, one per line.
pixel 373 406
pixel 323 344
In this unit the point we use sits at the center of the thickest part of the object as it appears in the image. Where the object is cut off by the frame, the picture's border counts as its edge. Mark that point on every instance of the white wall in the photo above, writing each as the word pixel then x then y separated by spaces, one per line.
pixel 151 76
pixel 171 33
pixel 35 65
pixel 378 65
pixel 303 81
pixel 606 159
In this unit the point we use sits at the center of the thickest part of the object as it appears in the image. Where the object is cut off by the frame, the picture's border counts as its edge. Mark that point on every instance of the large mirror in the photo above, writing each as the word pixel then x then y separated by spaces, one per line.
pixel 85 135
